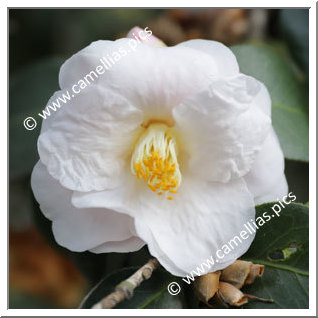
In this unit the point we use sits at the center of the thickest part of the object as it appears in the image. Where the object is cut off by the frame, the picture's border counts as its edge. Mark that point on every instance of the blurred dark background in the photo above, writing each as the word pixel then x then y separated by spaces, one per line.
pixel 42 274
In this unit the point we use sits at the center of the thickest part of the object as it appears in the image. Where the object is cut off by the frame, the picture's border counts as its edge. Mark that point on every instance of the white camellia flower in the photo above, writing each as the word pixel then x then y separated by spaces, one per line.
pixel 172 147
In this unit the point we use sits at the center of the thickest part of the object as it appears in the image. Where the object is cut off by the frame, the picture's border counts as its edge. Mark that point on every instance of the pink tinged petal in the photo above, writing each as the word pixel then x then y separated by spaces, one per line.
pixel 144 36
pixel 266 180
pixel 221 129
pixel 86 143
pixel 222 55
pixel 80 229
pixel 184 232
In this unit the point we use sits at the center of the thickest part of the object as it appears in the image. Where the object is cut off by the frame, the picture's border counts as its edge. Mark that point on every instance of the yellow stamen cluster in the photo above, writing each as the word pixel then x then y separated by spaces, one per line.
pixel 155 160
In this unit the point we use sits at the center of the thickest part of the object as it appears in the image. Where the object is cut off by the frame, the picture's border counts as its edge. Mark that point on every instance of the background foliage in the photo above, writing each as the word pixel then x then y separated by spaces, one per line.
pixel 271 45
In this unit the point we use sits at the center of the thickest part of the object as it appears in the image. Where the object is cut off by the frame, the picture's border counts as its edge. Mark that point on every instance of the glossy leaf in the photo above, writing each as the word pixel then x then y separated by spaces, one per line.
pixel 289 96
pixel 281 244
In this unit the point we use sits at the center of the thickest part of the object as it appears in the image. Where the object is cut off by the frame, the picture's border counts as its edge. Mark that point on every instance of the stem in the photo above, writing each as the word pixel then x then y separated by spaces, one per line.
pixel 259 299
pixel 125 289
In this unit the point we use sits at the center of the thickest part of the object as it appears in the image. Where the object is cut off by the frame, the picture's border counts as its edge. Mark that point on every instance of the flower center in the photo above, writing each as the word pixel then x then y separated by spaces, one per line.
pixel 155 160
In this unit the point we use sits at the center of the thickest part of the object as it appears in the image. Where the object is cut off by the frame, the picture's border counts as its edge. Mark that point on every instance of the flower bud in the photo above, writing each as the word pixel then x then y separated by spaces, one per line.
pixel 145 36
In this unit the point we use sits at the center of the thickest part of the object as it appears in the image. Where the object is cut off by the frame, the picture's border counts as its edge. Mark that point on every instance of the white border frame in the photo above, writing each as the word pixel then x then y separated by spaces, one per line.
pixel 312 155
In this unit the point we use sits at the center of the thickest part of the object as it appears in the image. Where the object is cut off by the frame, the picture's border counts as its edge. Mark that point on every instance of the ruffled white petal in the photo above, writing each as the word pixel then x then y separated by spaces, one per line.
pixel 144 75
pixel 88 142
pixel 263 100
pixel 222 55
pixel 266 180
pixel 86 60
pixel 186 231
pixel 221 130
pixel 157 79
pixel 78 143
pixel 80 229
pixel 222 121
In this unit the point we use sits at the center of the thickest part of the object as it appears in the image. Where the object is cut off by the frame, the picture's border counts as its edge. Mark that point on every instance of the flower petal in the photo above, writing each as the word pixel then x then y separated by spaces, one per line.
pixel 221 129
pixel 79 229
pixel 263 100
pixel 86 144
pixel 86 60
pixel 222 55
pixel 266 180
pixel 184 232
pixel 143 73
pixel 157 79
pixel 279 190
pixel 130 245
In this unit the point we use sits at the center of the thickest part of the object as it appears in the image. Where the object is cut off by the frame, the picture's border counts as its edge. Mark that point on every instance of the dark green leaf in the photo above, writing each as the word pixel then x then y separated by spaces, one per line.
pixel 30 89
pixel 288 93
pixel 151 293
pixel 294 25
pixel 281 244
pixel 297 174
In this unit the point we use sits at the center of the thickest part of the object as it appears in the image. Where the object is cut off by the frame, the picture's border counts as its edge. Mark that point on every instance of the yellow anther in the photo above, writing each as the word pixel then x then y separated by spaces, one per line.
pixel 154 189
pixel 174 182
pixel 155 160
